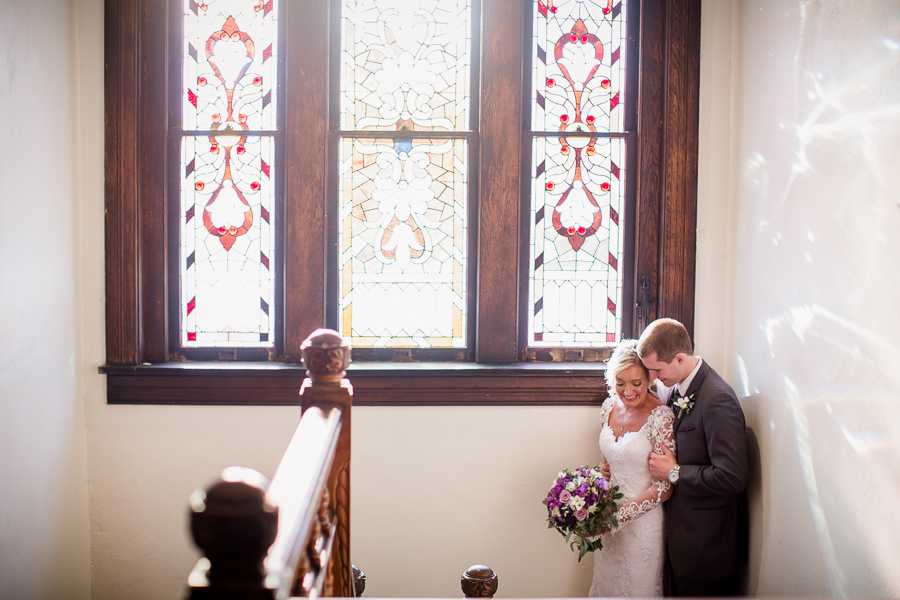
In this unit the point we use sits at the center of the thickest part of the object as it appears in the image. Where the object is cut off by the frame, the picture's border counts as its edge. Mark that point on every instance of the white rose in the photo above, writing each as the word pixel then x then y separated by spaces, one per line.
pixel 571 486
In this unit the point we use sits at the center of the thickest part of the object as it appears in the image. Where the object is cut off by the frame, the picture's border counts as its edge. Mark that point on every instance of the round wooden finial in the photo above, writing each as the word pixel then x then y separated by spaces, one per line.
pixel 326 356
pixel 479 581
pixel 233 522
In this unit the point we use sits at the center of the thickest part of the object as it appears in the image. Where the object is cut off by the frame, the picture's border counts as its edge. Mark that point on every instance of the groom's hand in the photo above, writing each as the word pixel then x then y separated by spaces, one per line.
pixel 661 464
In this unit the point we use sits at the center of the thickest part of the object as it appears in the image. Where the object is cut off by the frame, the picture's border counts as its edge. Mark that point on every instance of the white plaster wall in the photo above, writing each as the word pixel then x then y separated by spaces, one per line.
pixel 811 340
pixel 44 544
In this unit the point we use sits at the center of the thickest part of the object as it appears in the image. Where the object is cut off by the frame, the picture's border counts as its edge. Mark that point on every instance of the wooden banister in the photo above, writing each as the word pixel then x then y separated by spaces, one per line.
pixel 290 537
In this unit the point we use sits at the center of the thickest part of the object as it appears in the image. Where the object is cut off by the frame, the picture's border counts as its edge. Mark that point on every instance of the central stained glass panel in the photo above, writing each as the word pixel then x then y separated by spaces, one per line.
pixel 403 195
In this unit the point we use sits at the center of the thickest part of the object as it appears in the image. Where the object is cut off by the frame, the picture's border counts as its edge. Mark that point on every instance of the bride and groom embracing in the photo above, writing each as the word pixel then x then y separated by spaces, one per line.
pixel 672 439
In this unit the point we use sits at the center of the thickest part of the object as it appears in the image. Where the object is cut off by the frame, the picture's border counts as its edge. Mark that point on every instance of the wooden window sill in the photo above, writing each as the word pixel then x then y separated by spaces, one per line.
pixel 374 384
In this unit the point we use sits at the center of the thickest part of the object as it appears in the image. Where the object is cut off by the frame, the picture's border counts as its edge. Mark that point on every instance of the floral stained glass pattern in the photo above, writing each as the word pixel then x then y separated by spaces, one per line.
pixel 403 241
pixel 406 62
pixel 227 190
pixel 577 178
pixel 403 197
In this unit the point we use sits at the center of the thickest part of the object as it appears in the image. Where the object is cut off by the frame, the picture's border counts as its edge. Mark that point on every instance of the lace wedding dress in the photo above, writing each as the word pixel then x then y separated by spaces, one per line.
pixel 631 562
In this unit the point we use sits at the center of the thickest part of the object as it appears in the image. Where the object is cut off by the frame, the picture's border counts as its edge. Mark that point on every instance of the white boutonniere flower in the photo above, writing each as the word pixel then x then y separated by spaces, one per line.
pixel 684 404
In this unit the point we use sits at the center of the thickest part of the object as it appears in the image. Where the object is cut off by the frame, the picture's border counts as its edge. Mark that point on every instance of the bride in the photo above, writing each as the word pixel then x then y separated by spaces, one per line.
pixel 634 424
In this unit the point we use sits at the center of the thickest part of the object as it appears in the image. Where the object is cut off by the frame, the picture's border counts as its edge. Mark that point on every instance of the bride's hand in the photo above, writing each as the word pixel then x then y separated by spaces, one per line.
pixel 604 469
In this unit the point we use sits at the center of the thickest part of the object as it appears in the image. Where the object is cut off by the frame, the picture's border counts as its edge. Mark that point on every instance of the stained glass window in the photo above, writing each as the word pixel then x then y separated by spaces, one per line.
pixel 405 95
pixel 578 172
pixel 227 189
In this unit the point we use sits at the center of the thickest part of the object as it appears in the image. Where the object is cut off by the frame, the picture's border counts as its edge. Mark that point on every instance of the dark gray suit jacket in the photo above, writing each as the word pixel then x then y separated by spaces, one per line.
pixel 702 520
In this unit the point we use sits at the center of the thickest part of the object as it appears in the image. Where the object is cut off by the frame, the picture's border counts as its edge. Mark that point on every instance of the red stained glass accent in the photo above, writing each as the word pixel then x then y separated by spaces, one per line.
pixel 584 39
pixel 573 38
pixel 553 9
pixel 539 337
pixel 614 169
pixel 257 81
pixel 254 186
pixel 201 81
pixel 214 149
pixel 564 118
pixel 613 262
pixel 191 305
pixel 590 151
pixel 570 231
pixel 613 215
pixel 604 186
pixel 542 8
pixel 605 84
pixel 192 98
pixel 242 118
pixel 590 120
pixel 610 337
pixel 192 337
pixel 203 7
pixel 550 82
pixel 217 118
pixel 232 230
pixel 564 150
pixel 550 185
pixel 611 306
pixel 614 102
pixel 267 53
pixel 240 150
pixel 265 168
pixel 199 186
pixel 222 231
pixel 581 230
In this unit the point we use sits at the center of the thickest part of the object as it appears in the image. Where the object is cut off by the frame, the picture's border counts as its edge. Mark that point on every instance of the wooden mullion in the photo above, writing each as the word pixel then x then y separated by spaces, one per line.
pixel 499 195
pixel 305 85
pixel 153 126
pixel 121 186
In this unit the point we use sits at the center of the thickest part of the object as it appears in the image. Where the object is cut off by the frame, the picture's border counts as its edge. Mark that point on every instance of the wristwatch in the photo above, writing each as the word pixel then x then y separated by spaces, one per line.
pixel 674 473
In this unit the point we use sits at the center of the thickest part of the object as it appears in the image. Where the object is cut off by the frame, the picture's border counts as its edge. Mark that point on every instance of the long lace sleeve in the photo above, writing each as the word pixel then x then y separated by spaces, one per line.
pixel 660 433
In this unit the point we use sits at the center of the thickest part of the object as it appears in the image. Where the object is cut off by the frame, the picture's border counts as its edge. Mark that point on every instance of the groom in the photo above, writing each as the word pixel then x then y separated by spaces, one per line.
pixel 709 472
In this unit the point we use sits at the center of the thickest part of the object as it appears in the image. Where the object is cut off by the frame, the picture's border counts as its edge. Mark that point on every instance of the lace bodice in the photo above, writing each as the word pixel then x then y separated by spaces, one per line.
pixel 631 562
pixel 627 458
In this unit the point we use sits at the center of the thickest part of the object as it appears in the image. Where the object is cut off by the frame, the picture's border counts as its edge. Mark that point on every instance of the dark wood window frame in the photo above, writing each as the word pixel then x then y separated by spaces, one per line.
pixel 140 366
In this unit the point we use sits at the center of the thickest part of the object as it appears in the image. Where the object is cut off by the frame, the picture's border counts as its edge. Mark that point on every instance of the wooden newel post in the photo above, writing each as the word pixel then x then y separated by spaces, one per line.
pixel 327 357
pixel 233 523
pixel 479 581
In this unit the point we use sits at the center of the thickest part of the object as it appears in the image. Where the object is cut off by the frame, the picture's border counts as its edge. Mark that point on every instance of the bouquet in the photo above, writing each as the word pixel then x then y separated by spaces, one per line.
pixel 580 505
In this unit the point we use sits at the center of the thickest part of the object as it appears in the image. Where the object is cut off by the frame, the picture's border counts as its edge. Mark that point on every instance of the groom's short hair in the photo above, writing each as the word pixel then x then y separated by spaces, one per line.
pixel 666 338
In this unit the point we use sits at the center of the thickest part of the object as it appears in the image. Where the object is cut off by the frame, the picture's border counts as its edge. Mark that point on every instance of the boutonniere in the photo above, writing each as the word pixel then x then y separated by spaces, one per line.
pixel 684 404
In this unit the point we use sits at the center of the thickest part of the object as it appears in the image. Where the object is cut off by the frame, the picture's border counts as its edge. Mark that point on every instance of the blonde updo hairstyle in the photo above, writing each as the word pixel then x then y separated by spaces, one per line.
pixel 624 357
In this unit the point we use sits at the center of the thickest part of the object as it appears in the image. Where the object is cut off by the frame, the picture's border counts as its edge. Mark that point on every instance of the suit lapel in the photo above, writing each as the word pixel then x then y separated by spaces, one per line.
pixel 693 389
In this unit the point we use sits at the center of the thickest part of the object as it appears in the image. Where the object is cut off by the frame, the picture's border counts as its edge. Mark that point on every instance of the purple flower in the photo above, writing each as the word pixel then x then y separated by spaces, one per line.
pixel 564 496
pixel 581 515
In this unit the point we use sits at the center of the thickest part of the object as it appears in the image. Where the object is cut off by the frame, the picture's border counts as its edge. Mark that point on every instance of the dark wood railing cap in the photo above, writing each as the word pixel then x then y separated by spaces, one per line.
pixel 326 356
pixel 233 522
pixel 479 581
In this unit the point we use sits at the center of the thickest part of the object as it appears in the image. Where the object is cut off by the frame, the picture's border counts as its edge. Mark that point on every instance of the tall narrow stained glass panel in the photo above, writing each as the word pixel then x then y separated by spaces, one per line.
pixel 578 172
pixel 405 98
pixel 227 181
